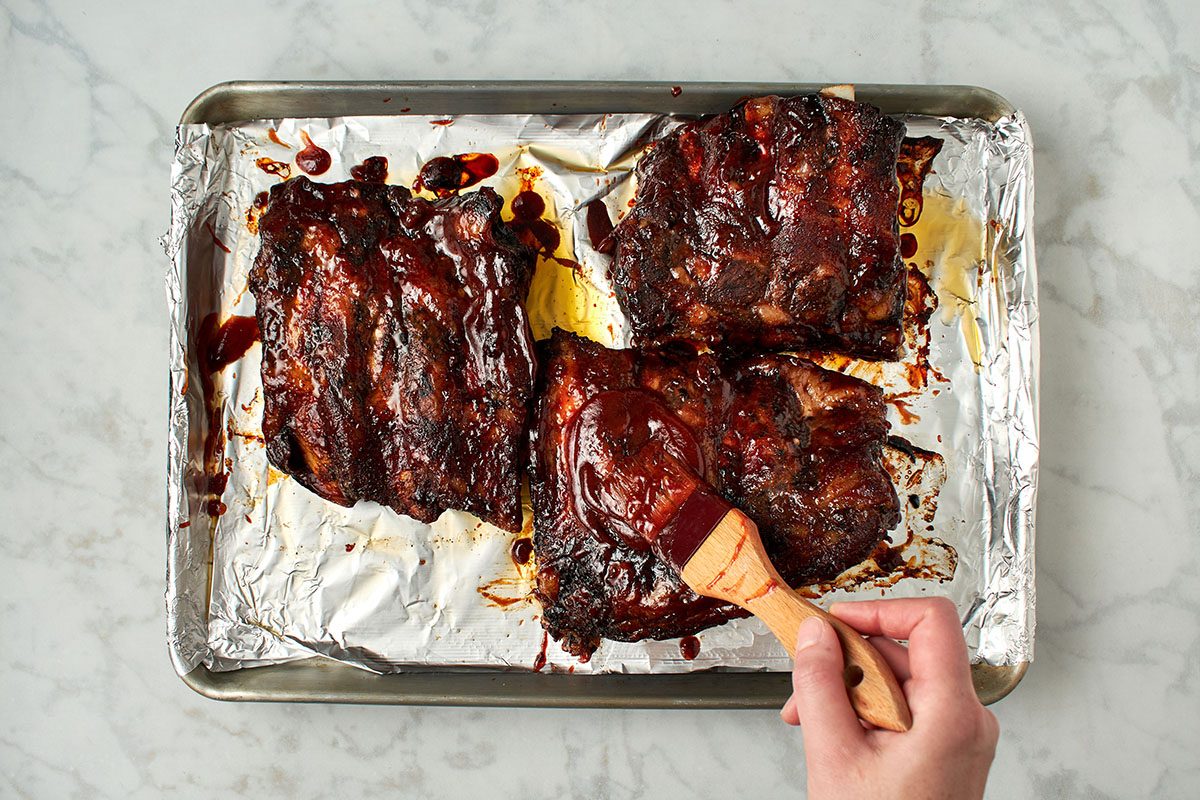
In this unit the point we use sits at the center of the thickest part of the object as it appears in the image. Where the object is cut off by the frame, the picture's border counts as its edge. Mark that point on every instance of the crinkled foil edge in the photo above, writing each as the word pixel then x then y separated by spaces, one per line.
pixel 1007 606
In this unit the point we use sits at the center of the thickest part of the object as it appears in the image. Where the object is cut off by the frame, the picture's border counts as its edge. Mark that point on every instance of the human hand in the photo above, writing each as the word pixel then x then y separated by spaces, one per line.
pixel 950 747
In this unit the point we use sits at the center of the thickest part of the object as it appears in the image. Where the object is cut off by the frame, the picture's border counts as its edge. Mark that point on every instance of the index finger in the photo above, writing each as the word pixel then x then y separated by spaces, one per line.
pixel 937 652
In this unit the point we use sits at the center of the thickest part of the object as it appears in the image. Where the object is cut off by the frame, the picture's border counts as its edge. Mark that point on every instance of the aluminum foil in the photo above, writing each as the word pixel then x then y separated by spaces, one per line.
pixel 283 574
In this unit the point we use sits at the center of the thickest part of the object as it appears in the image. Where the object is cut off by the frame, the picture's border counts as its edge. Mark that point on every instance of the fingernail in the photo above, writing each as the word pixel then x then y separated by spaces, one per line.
pixel 810 633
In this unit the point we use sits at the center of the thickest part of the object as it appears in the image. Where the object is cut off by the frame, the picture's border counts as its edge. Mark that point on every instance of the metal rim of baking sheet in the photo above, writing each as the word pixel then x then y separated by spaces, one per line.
pixel 320 680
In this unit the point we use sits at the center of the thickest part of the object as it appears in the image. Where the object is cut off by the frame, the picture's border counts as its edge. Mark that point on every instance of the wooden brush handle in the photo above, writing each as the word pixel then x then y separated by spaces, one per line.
pixel 732 565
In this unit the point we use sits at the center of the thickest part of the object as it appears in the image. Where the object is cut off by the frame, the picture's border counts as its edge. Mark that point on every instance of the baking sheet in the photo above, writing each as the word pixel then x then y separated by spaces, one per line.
pixel 294 576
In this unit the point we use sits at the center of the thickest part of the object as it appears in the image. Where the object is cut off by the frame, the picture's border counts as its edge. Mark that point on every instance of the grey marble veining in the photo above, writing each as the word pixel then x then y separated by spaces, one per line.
pixel 89 94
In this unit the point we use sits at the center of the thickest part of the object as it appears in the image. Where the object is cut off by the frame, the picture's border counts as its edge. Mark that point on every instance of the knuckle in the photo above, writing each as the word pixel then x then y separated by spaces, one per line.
pixel 943 608
pixel 991 728
pixel 978 729
pixel 960 728
pixel 963 724
pixel 809 676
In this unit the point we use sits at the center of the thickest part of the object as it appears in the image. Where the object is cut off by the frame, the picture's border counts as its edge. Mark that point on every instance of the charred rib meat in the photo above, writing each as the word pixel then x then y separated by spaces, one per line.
pixel 795 446
pixel 397 358
pixel 771 226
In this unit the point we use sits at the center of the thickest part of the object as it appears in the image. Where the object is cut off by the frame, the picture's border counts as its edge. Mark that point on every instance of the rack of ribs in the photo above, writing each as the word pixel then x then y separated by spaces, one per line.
pixel 797 447
pixel 772 226
pixel 397 357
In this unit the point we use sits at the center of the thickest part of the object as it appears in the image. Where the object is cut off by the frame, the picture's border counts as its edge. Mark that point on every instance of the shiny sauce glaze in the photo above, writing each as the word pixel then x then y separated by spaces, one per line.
pixel 313 159
pixel 721 200
pixel 446 175
pixel 529 225
pixel 372 170
pixel 600 227
pixel 436 418
pixel 632 464
pixel 689 648
pixel 521 551
pixel 221 345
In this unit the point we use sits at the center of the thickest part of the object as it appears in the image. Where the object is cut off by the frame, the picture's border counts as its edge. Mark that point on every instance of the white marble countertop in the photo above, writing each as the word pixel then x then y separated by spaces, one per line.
pixel 89 96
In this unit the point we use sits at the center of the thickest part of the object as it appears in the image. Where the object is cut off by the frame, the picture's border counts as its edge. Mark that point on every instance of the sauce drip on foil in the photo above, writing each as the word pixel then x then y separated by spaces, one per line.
pixel 912 166
pixel 689 648
pixel 372 170
pixel 218 346
pixel 527 222
pixel 600 227
pixel 521 551
pixel 446 175
pixel 273 167
pixel 539 661
pixel 313 159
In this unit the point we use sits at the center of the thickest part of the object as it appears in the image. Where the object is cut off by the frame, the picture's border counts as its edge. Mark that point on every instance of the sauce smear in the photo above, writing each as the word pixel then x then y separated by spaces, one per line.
pixel 218 346
pixel 216 239
pixel 912 165
pixel 540 661
pixel 273 167
pixel 632 464
pixel 256 210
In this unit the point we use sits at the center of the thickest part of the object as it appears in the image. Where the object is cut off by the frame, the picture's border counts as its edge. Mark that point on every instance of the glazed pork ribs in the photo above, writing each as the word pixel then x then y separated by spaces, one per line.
pixel 797 447
pixel 397 357
pixel 772 226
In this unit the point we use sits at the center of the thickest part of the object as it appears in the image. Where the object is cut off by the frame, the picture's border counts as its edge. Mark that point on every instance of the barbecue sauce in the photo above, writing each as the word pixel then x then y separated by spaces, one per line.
pixel 218 346
pixel 912 166
pixel 221 345
pixel 372 170
pixel 689 648
pixel 529 226
pixel 521 551
pixel 256 210
pixel 539 661
pixel 273 167
pixel 216 239
pixel 600 227
pixel 313 159
pixel 632 464
pixel 446 175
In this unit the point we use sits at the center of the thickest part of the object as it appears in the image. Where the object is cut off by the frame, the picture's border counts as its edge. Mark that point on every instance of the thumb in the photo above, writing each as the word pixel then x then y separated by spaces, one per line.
pixel 819 688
